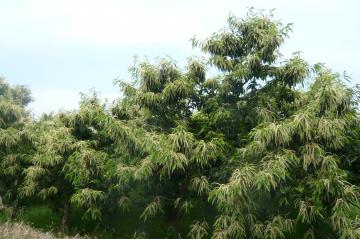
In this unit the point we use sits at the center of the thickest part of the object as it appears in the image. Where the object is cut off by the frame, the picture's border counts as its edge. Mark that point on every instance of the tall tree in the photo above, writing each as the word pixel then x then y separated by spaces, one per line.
pixel 255 110
pixel 287 180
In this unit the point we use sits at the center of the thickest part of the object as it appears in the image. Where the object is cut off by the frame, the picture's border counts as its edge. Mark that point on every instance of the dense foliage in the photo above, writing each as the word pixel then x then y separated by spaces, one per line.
pixel 268 148
pixel 15 142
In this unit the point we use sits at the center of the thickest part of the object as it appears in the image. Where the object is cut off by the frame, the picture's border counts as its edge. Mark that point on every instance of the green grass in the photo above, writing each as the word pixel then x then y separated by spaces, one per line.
pixel 118 225
pixel 40 216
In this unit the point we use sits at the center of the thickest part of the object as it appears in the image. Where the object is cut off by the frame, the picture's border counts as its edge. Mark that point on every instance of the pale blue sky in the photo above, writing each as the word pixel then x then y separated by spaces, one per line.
pixel 60 48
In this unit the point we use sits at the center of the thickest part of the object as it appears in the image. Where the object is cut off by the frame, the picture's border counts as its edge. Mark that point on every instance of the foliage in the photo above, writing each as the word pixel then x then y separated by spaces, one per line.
pixel 15 142
pixel 268 148
pixel 71 166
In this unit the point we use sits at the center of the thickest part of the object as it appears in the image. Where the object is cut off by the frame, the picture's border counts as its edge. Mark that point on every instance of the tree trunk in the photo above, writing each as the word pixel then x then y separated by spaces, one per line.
pixel 65 217
pixel 173 221
pixel 177 216
pixel 176 225
pixel 1 203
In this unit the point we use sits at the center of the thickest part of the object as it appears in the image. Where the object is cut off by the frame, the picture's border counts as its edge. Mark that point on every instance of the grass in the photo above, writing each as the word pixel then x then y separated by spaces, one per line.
pixel 23 231
pixel 40 218
pixel 37 221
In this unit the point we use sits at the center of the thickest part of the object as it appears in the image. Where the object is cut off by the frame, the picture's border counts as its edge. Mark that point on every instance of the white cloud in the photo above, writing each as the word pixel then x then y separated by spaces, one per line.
pixel 49 100
pixel 111 22
pixel 115 22
pixel 53 100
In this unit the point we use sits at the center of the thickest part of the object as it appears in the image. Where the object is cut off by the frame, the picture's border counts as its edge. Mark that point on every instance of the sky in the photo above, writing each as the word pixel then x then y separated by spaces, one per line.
pixel 60 48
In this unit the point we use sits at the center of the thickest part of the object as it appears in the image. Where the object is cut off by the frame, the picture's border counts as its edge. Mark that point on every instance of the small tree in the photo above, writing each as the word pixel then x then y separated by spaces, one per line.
pixel 15 141
pixel 70 166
